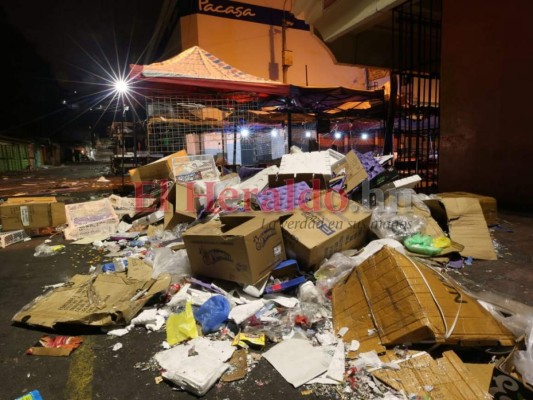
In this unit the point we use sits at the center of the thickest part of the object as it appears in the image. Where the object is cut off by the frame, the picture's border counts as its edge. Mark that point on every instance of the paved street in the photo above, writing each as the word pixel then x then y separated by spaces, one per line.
pixel 95 371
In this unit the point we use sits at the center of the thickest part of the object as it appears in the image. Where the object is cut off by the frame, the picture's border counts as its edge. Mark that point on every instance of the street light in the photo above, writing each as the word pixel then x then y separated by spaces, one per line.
pixel 122 88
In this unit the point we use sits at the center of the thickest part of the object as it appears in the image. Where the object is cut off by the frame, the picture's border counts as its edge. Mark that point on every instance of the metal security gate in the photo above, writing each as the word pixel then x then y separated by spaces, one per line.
pixel 416 70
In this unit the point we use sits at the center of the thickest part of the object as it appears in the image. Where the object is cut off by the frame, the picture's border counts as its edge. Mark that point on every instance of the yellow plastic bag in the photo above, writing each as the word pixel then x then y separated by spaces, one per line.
pixel 181 326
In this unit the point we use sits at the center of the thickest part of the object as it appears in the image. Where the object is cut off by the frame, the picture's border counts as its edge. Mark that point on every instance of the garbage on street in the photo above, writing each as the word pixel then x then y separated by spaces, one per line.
pixel 331 292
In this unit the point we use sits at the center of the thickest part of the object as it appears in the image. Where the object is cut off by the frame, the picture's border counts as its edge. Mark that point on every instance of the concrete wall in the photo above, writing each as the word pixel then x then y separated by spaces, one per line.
pixel 255 48
pixel 486 100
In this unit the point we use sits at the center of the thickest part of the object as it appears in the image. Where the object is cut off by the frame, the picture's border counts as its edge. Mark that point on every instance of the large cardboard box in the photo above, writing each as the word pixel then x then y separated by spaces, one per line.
pixel 32 213
pixel 311 236
pixel 409 302
pixel 160 169
pixel 242 248
pixel 507 384
pixel 488 204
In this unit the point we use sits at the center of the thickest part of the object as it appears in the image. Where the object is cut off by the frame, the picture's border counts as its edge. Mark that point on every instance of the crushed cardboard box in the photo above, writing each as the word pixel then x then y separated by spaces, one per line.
pixel 242 248
pixel 446 378
pixel 96 300
pixel 31 213
pixel 160 169
pixel 411 303
pixel 466 225
pixel 311 236
pixel 488 204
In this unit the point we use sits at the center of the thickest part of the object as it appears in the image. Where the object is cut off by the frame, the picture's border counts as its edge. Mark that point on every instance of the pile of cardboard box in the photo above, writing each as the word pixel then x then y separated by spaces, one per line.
pixel 389 299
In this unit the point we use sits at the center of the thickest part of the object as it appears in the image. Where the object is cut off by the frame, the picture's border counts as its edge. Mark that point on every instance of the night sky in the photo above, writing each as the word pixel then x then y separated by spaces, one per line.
pixel 56 50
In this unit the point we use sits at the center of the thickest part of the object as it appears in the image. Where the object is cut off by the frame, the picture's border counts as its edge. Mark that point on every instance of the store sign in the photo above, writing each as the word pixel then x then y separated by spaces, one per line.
pixel 241 11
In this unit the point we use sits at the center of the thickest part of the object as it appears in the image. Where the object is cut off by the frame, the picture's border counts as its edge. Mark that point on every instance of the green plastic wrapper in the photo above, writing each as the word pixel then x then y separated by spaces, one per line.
pixel 422 244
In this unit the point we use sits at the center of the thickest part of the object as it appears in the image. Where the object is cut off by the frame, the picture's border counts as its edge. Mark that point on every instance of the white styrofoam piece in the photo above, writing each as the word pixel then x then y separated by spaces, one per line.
pixel 315 162
pixel 407 183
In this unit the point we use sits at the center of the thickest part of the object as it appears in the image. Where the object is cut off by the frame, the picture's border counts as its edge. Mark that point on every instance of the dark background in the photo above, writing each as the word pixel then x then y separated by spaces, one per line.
pixel 58 56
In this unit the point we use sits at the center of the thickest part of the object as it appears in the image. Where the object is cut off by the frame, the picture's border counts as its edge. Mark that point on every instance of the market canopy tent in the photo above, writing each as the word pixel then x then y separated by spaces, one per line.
pixel 195 69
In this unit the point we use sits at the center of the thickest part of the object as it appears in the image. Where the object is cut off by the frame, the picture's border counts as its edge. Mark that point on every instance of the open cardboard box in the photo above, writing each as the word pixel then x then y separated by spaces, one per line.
pixel 160 169
pixel 242 248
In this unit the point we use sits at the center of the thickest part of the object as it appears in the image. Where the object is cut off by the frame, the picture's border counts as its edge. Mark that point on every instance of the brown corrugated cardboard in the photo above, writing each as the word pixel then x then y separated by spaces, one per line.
pixel 446 378
pixel 488 204
pixel 507 384
pixel 410 302
pixel 32 213
pixel 311 236
pixel 467 226
pixel 350 309
pixel 100 300
pixel 353 169
pixel 242 248
pixel 160 169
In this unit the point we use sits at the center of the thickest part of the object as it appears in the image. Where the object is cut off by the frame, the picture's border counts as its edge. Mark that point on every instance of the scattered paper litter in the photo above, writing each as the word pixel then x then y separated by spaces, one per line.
pixel 336 367
pixel 354 345
pixel 103 179
pixel 343 331
pixel 196 366
pixel 117 346
pixel 298 361
pixel 241 313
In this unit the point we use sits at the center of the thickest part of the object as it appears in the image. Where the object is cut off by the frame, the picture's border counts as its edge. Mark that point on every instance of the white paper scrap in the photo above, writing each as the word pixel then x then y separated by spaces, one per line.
pixel 298 361
pixel 336 367
pixel 241 313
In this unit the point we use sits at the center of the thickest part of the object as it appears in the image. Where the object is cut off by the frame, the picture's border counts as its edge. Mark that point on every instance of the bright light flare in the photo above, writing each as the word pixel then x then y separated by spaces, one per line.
pixel 307 134
pixel 338 135
pixel 245 132
pixel 364 136
pixel 274 132
pixel 121 86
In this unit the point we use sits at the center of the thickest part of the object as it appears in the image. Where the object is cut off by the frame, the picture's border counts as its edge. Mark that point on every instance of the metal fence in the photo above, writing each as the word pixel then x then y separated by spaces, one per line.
pixel 416 57
pixel 236 132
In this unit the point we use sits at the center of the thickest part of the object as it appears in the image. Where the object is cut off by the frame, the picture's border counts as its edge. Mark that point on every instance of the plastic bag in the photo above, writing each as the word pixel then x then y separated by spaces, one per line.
pixel 423 244
pixel 333 270
pixel 166 261
pixel 387 223
pixel 212 313
pixel 181 326
pixel 43 250
pixel 523 359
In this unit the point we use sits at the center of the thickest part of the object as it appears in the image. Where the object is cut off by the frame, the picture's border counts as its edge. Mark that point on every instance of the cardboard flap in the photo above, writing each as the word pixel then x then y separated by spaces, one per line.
pixel 353 169
pixel 448 377
pixel 467 226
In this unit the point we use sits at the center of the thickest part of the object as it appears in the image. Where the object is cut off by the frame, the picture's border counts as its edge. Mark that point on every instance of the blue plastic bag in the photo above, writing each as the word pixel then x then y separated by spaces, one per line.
pixel 213 313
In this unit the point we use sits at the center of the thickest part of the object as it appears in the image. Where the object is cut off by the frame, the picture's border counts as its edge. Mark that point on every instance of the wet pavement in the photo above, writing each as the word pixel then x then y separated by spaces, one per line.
pixel 95 371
